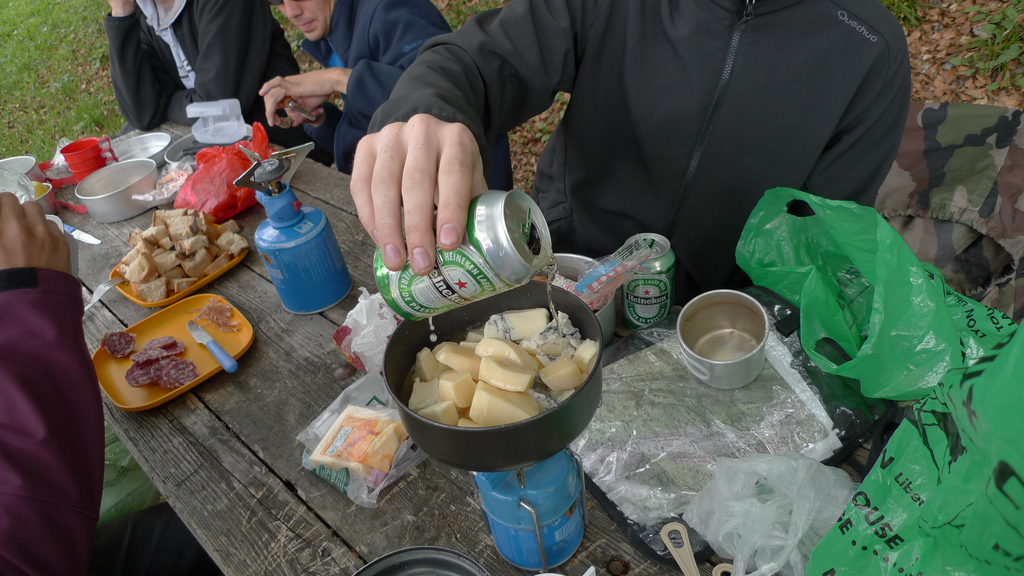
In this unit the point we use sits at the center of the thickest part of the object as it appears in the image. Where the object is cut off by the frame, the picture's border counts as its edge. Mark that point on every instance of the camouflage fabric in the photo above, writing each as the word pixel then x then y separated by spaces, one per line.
pixel 954 194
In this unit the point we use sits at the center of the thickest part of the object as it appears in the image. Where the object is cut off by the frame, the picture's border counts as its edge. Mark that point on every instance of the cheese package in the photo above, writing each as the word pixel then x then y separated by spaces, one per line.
pixel 362 440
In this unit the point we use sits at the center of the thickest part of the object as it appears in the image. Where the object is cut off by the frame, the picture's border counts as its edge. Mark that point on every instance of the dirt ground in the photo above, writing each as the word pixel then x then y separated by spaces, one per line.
pixel 943 31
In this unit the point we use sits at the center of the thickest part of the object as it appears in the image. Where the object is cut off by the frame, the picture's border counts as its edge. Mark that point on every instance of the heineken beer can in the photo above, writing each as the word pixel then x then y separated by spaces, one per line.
pixel 506 243
pixel 648 294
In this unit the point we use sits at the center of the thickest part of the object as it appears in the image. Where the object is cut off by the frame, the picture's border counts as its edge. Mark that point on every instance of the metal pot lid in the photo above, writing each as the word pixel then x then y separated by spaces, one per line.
pixel 423 561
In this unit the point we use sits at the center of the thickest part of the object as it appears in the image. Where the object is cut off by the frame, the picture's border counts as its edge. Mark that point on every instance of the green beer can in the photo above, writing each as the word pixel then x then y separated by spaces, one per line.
pixel 648 294
pixel 506 243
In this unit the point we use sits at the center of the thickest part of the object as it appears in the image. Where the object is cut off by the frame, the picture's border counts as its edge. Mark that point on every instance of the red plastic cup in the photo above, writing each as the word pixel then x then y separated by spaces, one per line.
pixel 87 149
pixel 90 164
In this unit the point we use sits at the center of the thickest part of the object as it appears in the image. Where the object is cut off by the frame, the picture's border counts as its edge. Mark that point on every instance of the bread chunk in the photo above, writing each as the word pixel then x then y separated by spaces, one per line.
pixel 152 291
pixel 197 263
pixel 142 269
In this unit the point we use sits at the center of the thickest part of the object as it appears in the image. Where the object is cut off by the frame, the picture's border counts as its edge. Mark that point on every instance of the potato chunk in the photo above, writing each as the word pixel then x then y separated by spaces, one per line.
pixel 427 367
pixel 443 412
pixel 506 375
pixel 508 350
pixel 494 407
pixel 458 387
pixel 561 375
pixel 458 358
pixel 424 394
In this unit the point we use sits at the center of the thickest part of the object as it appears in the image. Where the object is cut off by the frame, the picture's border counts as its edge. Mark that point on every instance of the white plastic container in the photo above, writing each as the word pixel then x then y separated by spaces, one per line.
pixel 220 121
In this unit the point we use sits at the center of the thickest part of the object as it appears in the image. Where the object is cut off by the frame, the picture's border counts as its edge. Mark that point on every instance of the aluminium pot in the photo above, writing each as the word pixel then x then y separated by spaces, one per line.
pixel 494 448
pixel 107 193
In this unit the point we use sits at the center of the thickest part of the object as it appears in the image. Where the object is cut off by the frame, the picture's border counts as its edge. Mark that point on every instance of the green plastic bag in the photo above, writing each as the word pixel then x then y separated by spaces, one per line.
pixel 860 288
pixel 947 493
pixel 126 488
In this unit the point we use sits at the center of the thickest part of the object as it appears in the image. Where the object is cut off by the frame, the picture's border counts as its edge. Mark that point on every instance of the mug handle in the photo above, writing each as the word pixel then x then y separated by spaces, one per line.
pixel 109 152
pixel 700 372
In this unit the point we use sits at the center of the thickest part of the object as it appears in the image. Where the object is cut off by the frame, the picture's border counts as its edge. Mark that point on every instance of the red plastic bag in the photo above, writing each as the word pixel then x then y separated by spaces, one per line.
pixel 211 188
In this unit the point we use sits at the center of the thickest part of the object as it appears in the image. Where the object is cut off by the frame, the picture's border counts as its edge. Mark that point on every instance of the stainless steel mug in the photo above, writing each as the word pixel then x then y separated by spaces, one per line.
pixel 722 335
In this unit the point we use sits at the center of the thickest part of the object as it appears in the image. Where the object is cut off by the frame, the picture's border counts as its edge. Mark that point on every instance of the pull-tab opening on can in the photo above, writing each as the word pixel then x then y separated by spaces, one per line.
pixel 533 242
pixel 508 229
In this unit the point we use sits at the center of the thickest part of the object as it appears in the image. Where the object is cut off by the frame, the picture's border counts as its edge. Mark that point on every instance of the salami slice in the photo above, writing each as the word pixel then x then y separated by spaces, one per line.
pixel 144 373
pixel 177 372
pixel 161 342
pixel 148 355
pixel 156 353
pixel 118 342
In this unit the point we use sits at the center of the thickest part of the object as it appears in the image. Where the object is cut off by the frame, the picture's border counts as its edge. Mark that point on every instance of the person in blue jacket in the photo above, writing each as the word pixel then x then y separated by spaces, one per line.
pixel 363 47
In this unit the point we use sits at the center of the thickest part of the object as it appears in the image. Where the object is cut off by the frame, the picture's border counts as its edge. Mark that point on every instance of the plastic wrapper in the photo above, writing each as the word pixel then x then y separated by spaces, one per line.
pixel 173 176
pixel 653 443
pixel 768 512
pixel 362 483
pixel 365 332
pixel 597 284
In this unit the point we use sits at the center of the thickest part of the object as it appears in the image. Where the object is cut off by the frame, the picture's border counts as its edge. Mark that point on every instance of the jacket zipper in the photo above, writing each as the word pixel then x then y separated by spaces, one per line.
pixel 709 121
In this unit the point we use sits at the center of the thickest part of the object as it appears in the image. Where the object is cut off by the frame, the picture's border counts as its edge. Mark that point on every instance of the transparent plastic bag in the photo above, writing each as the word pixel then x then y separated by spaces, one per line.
pixel 769 511
pixel 369 391
pixel 653 443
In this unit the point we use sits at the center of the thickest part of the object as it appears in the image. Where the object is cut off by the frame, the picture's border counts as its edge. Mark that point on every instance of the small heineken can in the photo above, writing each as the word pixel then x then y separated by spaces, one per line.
pixel 506 243
pixel 648 294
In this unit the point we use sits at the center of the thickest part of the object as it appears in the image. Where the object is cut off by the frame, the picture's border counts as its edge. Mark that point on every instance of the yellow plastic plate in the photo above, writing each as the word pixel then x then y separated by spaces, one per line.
pixel 170 322
pixel 126 289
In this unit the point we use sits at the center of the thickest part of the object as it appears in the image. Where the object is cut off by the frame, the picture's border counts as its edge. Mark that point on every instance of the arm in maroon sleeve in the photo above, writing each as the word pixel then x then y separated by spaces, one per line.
pixel 51 426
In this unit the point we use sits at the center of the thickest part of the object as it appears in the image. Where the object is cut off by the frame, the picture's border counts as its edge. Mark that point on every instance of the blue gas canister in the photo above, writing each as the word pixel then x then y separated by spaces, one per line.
pixel 295 242
pixel 536 514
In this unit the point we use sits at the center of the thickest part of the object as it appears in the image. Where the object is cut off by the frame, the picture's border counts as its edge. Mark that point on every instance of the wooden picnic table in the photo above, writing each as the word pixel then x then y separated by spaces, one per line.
pixel 225 454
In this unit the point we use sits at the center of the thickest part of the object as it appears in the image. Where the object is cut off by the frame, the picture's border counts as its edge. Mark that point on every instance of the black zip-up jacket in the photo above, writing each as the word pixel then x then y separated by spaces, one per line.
pixel 682 112
pixel 234 46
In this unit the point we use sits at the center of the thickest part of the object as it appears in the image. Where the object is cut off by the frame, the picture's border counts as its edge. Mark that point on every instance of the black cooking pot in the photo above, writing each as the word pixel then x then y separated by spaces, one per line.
pixel 494 448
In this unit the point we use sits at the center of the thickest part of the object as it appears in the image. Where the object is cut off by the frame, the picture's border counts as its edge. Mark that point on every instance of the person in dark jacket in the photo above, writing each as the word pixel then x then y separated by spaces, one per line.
pixel 167 54
pixel 363 46
pixel 682 114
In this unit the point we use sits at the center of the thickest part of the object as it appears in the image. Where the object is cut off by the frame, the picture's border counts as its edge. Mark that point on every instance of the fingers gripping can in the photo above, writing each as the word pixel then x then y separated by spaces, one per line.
pixel 648 294
pixel 506 243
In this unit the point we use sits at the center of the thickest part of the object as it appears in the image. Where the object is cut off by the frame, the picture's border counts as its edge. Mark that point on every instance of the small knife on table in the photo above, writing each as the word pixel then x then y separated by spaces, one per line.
pixel 204 338
pixel 81 236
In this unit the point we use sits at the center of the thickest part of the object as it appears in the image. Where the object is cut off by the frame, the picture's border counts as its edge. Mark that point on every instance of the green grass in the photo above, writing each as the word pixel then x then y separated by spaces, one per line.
pixel 997 49
pixel 908 11
pixel 53 75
